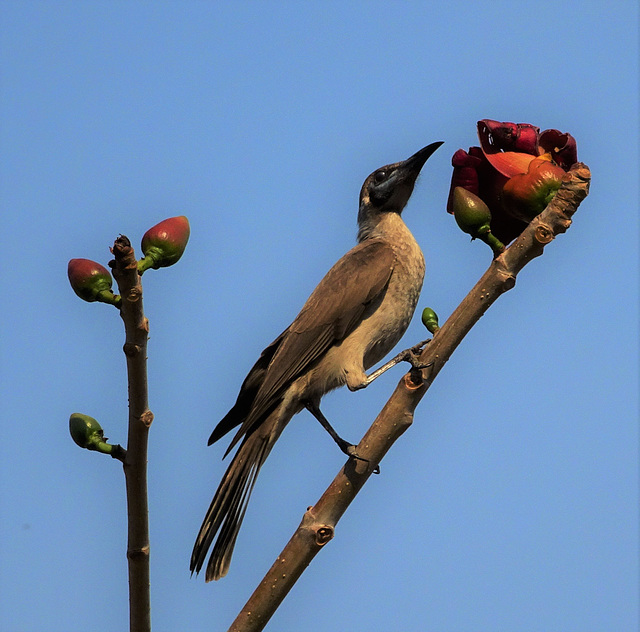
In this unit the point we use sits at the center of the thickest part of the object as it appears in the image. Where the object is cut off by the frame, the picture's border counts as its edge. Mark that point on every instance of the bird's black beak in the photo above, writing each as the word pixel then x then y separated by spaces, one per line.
pixel 413 165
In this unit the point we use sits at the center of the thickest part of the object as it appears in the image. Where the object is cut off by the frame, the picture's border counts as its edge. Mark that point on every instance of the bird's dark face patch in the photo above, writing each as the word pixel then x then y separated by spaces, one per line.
pixel 380 192
pixel 383 186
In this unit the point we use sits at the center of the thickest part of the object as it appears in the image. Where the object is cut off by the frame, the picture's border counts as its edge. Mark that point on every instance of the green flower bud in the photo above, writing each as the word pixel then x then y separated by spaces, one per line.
pixel 474 218
pixel 430 320
pixel 88 434
pixel 472 214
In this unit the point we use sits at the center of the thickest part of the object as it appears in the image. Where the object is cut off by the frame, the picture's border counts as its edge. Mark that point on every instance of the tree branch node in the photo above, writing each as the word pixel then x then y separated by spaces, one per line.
pixel 134 294
pixel 133 554
pixel 131 349
pixel 544 234
pixel 324 533
pixel 147 418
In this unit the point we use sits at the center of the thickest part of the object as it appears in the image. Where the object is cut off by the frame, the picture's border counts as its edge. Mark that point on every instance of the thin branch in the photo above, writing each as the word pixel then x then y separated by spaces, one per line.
pixel 136 326
pixel 318 523
pixel 118 452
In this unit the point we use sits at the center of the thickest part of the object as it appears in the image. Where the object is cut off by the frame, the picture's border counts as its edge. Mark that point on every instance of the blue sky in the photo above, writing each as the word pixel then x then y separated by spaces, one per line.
pixel 512 502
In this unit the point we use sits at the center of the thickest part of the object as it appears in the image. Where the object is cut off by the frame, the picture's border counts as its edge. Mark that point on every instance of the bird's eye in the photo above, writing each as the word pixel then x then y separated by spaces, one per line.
pixel 379 176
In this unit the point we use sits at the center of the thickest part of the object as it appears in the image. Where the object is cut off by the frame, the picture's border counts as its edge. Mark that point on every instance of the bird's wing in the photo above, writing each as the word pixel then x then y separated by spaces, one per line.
pixel 330 314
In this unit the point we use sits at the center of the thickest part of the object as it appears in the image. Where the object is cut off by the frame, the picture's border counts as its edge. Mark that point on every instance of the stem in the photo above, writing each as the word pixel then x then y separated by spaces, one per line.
pixel 125 272
pixel 107 296
pixel 318 524
pixel 494 243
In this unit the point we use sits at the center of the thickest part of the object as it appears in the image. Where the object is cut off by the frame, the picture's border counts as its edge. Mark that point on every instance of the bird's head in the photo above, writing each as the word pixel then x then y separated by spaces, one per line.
pixel 388 189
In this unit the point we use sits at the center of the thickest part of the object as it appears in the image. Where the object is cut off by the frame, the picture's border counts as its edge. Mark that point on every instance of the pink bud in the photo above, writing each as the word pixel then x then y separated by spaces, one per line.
pixel 91 281
pixel 164 243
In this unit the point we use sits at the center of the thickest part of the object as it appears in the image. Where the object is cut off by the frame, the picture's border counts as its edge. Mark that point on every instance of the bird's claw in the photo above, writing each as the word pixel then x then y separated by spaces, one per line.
pixel 420 346
pixel 412 356
pixel 350 450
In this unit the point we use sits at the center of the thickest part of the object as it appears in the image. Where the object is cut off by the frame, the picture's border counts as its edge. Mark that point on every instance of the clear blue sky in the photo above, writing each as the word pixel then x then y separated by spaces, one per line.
pixel 512 502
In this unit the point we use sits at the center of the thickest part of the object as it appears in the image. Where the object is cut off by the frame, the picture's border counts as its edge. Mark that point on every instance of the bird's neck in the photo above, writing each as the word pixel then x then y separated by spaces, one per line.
pixel 384 225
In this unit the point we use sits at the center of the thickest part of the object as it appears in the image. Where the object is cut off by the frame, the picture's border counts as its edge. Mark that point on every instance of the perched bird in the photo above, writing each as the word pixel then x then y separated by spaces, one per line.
pixel 353 318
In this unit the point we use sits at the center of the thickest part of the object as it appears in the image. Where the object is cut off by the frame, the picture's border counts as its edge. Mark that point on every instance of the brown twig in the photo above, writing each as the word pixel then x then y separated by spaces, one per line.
pixel 125 272
pixel 318 523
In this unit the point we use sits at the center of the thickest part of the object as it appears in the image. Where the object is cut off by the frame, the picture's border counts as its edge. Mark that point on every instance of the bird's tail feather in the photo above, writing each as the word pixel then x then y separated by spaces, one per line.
pixel 228 506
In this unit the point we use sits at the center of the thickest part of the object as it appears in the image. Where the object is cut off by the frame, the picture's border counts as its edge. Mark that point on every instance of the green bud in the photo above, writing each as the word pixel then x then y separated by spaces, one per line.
pixel 474 218
pixel 88 434
pixel 430 320
pixel 472 214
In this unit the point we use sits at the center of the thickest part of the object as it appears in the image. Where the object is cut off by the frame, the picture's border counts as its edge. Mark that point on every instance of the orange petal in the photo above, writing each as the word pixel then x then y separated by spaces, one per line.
pixel 510 163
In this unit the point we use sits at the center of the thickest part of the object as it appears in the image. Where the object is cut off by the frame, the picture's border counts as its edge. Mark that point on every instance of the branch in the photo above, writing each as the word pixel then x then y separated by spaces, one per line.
pixel 125 272
pixel 318 523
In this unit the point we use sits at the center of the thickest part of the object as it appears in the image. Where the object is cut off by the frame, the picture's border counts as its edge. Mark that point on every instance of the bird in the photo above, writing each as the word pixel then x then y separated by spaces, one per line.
pixel 350 322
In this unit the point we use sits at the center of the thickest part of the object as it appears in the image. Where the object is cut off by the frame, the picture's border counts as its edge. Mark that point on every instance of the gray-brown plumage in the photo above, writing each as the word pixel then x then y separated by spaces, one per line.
pixel 353 318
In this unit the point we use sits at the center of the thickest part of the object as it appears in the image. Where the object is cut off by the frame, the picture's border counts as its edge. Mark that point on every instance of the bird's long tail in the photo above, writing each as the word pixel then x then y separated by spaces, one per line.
pixel 229 504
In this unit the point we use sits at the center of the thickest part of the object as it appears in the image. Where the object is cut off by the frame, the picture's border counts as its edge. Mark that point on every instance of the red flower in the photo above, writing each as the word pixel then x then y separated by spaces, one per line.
pixel 508 152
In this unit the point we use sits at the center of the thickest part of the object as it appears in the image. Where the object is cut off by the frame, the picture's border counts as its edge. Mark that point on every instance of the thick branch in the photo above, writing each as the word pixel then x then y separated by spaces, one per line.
pixel 125 272
pixel 318 524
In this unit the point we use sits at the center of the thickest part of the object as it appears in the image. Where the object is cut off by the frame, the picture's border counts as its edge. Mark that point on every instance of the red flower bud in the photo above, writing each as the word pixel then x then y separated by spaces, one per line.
pixel 465 173
pixel 527 194
pixel 91 281
pixel 164 244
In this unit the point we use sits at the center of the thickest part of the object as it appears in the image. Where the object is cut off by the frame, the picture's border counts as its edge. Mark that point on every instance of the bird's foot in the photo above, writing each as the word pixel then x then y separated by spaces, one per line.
pixel 413 355
pixel 350 450
pixel 345 447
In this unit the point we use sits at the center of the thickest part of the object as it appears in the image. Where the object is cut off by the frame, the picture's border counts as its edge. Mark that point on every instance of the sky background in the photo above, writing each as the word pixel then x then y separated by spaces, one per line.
pixel 512 501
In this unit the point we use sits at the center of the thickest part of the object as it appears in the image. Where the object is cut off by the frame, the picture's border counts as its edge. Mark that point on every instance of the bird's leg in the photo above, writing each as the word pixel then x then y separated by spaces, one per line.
pixel 408 355
pixel 348 448
pixel 345 446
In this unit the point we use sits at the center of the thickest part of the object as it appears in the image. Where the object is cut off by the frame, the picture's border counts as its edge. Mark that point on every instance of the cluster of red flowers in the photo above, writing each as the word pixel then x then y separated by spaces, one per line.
pixel 515 172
